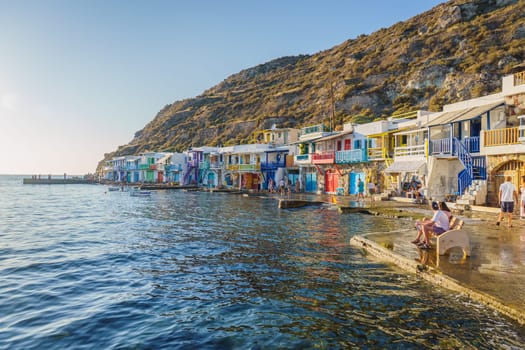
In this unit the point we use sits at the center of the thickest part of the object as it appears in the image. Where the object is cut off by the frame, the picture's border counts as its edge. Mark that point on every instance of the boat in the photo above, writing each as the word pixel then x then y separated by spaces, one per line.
pixel 135 192
pixel 113 188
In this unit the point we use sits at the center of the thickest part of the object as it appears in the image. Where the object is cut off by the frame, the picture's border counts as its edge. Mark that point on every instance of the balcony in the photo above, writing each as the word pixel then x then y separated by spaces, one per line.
pixel 193 163
pixel 501 137
pixel 350 156
pixel 409 151
pixel 273 165
pixel 204 165
pixel 519 78
pixel 441 146
pixel 472 144
pixel 303 159
pixel 244 167
pixel 323 158
pixel 173 167
pixel 314 129
pixel 143 166
pixel 249 167
pixel 216 165
pixel 377 153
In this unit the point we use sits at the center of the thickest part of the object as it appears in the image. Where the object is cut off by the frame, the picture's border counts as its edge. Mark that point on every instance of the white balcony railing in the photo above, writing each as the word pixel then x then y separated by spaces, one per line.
pixel 418 150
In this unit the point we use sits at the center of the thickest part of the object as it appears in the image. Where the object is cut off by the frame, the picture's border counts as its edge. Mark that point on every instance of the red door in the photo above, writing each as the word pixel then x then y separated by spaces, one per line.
pixel 331 181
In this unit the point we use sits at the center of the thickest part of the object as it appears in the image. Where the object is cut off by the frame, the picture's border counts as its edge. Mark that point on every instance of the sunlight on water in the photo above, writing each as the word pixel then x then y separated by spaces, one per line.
pixel 81 268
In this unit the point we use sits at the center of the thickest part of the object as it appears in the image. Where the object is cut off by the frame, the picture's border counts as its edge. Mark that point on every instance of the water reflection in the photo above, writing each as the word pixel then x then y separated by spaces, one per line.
pixel 198 270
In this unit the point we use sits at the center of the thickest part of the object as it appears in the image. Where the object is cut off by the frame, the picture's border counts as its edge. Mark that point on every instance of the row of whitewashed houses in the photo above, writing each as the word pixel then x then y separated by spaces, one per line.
pixel 467 150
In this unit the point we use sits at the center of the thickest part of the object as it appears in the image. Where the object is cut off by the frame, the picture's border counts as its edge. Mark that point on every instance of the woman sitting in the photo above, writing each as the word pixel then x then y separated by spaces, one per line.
pixel 437 225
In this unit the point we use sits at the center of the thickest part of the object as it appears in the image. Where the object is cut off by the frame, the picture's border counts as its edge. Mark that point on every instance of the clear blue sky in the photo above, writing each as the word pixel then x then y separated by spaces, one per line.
pixel 80 77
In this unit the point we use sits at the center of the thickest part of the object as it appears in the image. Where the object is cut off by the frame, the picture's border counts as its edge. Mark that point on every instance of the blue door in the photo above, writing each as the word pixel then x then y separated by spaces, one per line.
pixel 211 179
pixel 311 182
pixel 292 179
pixel 354 176
pixel 267 176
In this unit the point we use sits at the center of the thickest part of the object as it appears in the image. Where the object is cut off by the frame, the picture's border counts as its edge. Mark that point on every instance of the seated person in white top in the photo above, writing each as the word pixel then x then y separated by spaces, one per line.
pixel 437 225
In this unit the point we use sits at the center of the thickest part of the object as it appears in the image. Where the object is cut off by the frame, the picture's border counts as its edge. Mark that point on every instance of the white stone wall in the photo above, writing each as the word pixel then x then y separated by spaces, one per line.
pixel 443 177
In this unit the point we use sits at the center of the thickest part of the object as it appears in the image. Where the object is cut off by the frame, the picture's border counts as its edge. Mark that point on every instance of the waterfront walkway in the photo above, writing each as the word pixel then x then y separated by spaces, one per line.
pixel 494 274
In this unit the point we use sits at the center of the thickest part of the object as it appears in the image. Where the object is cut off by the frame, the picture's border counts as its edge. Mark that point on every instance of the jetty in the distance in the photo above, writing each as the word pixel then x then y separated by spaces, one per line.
pixel 57 181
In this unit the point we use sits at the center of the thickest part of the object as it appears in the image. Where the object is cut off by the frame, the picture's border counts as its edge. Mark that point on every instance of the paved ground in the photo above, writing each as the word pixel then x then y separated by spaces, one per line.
pixel 496 266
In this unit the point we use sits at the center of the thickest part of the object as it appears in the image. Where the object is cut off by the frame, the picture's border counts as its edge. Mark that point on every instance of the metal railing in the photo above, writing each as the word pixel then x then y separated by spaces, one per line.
pixel 472 144
pixel 323 157
pixel 350 156
pixel 273 164
pixel 441 146
pixel 465 177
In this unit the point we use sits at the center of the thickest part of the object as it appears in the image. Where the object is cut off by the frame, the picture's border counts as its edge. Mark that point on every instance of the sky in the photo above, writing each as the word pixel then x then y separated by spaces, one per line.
pixel 79 77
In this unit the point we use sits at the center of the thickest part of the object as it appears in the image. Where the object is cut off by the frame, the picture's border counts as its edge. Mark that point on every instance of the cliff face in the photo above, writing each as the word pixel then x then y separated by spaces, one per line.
pixel 455 51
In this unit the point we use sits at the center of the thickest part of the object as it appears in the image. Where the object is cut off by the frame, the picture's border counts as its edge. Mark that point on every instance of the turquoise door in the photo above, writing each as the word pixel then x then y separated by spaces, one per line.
pixel 311 182
pixel 354 176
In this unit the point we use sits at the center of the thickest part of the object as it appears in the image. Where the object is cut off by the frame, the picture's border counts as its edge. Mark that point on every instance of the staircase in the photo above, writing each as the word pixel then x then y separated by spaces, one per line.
pixel 472 184
pixel 476 193
pixel 193 166
pixel 465 176
pixel 392 183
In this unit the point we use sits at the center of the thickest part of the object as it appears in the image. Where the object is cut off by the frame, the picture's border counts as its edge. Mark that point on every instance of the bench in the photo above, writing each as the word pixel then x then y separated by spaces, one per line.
pixel 455 237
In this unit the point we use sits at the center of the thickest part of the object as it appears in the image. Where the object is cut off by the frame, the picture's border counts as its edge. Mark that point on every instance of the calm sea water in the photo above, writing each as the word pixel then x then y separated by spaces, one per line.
pixel 85 269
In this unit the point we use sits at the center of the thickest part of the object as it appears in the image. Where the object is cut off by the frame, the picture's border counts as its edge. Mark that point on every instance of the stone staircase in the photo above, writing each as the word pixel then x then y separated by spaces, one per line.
pixel 475 194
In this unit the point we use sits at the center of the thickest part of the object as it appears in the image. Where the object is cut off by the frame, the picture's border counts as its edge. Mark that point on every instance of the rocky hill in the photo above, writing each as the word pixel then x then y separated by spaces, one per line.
pixel 457 50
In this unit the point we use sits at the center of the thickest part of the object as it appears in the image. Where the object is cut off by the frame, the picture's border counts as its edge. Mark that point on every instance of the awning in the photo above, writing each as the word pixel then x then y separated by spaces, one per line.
pixel 411 131
pixel 405 166
pixel 335 135
pixel 463 114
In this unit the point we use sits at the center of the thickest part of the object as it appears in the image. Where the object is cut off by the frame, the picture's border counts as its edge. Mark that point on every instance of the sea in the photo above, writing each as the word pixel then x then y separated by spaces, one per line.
pixel 85 268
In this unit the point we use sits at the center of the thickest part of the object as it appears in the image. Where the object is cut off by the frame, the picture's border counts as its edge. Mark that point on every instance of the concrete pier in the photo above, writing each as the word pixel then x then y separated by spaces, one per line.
pixel 55 181
pixel 296 203
pixel 493 275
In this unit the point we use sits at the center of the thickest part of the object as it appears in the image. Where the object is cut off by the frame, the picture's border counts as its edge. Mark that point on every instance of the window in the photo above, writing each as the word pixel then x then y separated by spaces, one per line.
pixel 348 145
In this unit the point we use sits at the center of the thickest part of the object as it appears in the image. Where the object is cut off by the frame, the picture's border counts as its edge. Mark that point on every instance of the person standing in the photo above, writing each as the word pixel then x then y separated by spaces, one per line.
pixel 360 190
pixel 507 197
pixel 522 197
pixel 371 190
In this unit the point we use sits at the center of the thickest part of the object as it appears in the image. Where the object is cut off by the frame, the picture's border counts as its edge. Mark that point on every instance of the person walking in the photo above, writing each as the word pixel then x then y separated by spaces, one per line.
pixel 522 198
pixel 360 190
pixel 507 197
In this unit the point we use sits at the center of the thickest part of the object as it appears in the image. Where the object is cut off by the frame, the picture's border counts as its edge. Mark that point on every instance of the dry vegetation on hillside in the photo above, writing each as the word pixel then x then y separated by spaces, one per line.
pixel 457 50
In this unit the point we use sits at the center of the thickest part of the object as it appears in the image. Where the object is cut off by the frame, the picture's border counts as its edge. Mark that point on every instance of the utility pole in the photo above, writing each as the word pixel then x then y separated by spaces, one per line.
pixel 332 104
pixel 332 109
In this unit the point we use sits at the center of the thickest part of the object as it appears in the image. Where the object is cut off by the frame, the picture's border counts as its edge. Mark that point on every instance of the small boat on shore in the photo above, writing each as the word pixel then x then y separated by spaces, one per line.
pixel 113 189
